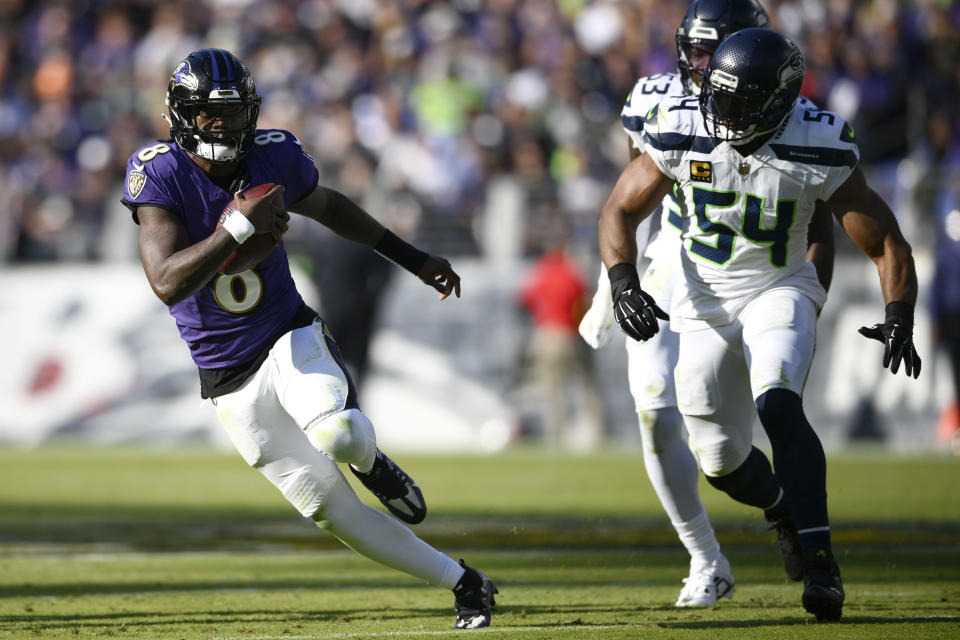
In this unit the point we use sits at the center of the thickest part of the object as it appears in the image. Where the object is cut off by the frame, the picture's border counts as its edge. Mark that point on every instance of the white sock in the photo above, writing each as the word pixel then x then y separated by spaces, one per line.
pixel 673 472
pixel 377 536
pixel 698 538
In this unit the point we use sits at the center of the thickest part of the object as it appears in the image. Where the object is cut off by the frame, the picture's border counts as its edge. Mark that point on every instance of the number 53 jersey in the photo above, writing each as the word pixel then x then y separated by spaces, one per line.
pixel 745 219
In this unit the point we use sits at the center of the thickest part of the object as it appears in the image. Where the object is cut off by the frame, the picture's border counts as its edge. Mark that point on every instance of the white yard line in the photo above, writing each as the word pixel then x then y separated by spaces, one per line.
pixel 423 633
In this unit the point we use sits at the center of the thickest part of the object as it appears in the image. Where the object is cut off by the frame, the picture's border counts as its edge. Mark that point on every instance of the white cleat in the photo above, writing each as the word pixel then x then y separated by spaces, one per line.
pixel 707 584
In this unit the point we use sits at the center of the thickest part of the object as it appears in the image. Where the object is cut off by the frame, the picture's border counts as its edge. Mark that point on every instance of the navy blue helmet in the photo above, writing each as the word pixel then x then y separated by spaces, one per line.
pixel 213 84
pixel 707 23
pixel 751 85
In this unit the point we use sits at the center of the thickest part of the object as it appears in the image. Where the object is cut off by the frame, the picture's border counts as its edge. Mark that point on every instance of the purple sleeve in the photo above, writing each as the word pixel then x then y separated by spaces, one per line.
pixel 300 175
pixel 143 185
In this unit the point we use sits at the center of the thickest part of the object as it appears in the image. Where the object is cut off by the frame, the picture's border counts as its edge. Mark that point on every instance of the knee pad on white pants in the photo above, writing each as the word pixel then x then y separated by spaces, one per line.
pixel 713 394
pixel 719 450
pixel 346 436
pixel 302 474
pixel 305 488
pixel 272 443
pixel 660 429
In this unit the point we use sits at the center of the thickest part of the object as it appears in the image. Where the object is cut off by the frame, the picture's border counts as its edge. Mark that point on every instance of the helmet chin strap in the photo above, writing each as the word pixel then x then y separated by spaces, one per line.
pixel 215 152
pixel 750 138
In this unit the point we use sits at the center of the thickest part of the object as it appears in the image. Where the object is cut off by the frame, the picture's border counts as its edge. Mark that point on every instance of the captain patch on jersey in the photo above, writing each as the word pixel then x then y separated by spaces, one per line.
pixel 701 171
pixel 746 213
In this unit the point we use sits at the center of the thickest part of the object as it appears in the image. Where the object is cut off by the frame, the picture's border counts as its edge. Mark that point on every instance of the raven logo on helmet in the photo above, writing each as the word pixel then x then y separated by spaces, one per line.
pixel 184 76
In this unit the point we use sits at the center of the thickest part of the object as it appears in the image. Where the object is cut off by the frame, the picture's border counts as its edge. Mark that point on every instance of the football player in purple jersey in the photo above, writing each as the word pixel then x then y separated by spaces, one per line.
pixel 266 360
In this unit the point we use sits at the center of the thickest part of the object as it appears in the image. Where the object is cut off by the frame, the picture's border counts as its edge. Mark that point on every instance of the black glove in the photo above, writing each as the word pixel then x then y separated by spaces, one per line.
pixel 633 308
pixel 896 334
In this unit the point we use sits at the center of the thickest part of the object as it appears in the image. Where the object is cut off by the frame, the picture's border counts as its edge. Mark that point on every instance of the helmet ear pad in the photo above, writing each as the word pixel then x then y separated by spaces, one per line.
pixel 214 84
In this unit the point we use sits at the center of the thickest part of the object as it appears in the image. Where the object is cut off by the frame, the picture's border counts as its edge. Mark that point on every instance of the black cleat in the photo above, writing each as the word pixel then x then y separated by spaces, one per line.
pixel 823 594
pixel 473 599
pixel 790 551
pixel 395 489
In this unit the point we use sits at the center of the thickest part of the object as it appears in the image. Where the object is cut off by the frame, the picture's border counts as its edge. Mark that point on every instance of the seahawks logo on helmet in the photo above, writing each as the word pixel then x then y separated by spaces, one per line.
pixel 791 69
pixel 183 76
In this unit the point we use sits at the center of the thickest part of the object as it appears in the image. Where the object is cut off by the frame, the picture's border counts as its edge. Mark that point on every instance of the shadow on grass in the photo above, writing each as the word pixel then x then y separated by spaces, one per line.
pixel 804 622
pixel 227 618
pixel 165 529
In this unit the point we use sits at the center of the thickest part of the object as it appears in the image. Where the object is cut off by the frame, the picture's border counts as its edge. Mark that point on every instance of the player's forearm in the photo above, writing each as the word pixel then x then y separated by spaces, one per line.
pixel 617 237
pixel 637 193
pixel 185 272
pixel 344 217
pixel 898 275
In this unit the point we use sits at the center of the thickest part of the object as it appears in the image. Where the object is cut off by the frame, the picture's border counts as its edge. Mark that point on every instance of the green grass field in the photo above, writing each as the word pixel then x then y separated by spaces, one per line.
pixel 129 544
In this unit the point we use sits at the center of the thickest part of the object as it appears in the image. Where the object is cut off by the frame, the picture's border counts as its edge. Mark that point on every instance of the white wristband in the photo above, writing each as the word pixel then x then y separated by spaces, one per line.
pixel 237 225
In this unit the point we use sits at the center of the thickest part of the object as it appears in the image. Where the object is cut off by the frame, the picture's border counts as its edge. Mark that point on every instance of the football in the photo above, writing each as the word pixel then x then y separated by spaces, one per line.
pixel 257 247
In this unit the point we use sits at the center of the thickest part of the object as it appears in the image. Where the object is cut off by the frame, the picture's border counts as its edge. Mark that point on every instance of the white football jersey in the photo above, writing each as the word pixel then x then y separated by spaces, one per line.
pixel 745 219
pixel 663 240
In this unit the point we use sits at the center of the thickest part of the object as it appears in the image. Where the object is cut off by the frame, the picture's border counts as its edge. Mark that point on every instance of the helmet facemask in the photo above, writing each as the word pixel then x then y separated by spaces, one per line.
pixel 213 104
pixel 218 129
pixel 692 76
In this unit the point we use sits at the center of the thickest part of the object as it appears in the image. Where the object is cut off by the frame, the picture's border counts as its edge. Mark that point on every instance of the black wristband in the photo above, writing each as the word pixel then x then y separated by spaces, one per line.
pixel 401 253
pixel 623 276
pixel 900 311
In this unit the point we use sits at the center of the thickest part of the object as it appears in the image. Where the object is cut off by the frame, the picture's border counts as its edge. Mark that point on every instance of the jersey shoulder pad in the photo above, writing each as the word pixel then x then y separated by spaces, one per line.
pixel 278 143
pixel 673 115
pixel 673 129
pixel 147 168
pixel 649 90
pixel 817 136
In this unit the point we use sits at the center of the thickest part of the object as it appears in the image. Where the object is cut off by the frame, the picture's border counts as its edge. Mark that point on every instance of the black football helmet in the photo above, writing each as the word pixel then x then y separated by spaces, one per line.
pixel 214 84
pixel 751 85
pixel 707 23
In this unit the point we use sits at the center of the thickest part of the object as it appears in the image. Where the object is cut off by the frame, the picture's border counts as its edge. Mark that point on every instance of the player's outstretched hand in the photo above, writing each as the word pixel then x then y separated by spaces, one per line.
pixel 896 334
pixel 636 312
pixel 438 273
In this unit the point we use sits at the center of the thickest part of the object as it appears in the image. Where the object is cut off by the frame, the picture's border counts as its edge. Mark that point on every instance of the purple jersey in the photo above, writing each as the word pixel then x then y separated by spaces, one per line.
pixel 232 319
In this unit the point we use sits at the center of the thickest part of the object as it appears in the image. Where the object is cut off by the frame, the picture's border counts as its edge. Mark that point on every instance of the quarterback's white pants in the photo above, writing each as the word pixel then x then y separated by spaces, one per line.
pixel 300 395
pixel 721 370
pixel 291 420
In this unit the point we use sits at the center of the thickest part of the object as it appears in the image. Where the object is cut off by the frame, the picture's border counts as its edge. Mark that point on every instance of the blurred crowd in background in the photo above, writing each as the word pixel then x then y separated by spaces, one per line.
pixel 475 128
pixel 417 107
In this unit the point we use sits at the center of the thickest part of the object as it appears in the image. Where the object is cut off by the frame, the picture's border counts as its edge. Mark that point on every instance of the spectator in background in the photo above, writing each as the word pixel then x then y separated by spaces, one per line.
pixel 462 84
pixel 350 279
pixel 945 311
pixel 554 295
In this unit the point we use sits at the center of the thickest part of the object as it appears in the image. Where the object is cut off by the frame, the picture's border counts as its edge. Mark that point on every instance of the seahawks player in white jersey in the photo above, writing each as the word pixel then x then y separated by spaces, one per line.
pixel 749 165
pixel 670 465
